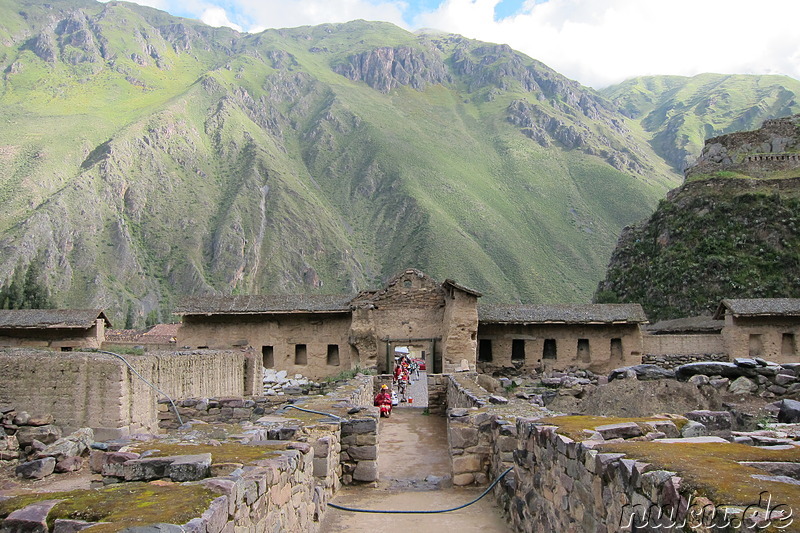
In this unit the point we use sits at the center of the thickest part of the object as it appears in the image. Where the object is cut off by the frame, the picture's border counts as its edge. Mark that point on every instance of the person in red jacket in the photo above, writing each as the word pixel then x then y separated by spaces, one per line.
pixel 384 400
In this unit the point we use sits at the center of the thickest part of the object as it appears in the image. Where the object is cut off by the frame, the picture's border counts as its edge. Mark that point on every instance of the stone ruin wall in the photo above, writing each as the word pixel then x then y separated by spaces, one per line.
pixel 773 147
pixel 86 389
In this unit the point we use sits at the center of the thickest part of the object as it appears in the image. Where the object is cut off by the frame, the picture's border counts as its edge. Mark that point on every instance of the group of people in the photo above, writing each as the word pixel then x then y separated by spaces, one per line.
pixel 405 370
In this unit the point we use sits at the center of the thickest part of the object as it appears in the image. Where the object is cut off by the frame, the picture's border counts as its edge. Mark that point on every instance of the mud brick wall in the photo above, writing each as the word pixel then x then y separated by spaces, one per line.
pixel 87 389
pixel 674 345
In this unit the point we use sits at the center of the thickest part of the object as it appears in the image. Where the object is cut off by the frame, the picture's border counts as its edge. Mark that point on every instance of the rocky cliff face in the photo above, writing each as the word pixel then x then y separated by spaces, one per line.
pixel 717 237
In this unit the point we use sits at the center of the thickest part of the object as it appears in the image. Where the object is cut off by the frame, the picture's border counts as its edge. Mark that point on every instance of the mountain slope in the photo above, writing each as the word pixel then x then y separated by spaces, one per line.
pixel 731 231
pixel 146 156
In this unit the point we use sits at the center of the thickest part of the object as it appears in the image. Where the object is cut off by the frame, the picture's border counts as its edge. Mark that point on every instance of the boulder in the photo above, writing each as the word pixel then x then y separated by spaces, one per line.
pixel 742 385
pixel 31 518
pixel 790 412
pixel 712 368
pixel 694 429
pixel 46 434
pixel 36 469
pixel 624 430
pixel 643 372
pixel 713 420
pixel 190 467
pixel 69 464
pixel 699 380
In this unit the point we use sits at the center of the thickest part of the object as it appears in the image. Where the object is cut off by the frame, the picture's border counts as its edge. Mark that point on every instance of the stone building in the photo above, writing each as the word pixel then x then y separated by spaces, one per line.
pixel 761 327
pixel 322 335
pixel 598 337
pixel 57 329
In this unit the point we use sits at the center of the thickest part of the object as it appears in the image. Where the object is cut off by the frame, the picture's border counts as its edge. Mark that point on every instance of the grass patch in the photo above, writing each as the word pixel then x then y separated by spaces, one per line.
pixel 224 453
pixel 713 469
pixel 574 426
pixel 124 505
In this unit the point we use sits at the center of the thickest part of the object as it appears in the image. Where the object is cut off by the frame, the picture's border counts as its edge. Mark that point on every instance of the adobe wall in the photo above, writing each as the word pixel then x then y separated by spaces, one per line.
pixel 460 331
pixel 410 310
pixel 283 334
pixel 774 338
pixel 598 359
pixel 83 389
pixel 55 339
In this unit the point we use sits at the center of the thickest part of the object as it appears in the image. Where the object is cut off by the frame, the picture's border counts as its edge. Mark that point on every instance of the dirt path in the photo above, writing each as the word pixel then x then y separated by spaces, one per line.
pixel 414 469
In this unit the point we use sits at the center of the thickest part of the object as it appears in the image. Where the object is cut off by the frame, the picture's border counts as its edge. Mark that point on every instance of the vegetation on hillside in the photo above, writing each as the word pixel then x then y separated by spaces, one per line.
pixel 713 239
pixel 144 157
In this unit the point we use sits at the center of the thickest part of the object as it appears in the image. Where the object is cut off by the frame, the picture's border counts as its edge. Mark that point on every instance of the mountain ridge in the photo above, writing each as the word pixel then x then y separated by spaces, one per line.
pixel 148 156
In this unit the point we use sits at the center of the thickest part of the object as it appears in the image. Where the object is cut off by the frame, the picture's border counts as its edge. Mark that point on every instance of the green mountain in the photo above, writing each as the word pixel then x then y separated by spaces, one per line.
pixel 682 112
pixel 145 156
pixel 731 231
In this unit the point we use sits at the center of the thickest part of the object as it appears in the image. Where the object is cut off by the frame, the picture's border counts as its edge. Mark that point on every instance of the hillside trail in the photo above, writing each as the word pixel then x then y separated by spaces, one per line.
pixel 414 473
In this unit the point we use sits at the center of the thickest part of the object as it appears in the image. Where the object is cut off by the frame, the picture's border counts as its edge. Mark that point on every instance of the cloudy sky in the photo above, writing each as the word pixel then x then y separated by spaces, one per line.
pixel 597 42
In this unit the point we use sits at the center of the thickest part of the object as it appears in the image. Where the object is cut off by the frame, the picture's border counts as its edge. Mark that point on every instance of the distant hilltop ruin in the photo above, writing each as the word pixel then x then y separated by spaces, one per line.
pixel 773 151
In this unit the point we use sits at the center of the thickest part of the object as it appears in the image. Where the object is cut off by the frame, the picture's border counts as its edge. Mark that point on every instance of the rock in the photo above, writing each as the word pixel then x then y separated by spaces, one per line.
pixel 643 372
pixel 31 518
pixel 623 430
pixel 21 419
pixel 699 380
pixel 189 467
pixel 745 362
pixel 713 420
pixel 718 383
pixel 790 412
pixel 61 449
pixel 36 469
pixel 742 385
pixel 46 434
pixel 712 368
pixel 694 429
pixel 498 400
pixel 693 440
pixel 69 464
pixel 40 420
pixel 785 379
pixel 62 525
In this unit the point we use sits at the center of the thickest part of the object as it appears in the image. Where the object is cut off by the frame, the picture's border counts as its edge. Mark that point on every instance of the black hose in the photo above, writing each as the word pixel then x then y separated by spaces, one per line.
pixel 354 510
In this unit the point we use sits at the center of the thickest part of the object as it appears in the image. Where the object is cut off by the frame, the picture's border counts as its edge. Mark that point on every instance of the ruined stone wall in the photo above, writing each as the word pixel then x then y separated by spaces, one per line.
pixel 773 338
pixel 96 390
pixel 671 361
pixel 581 346
pixel 460 331
pixel 315 345
pixel 683 344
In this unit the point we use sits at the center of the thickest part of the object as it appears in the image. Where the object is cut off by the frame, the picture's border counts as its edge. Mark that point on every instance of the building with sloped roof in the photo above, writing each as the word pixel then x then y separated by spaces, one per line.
pixel 527 337
pixel 320 335
pixel 56 329
pixel 761 327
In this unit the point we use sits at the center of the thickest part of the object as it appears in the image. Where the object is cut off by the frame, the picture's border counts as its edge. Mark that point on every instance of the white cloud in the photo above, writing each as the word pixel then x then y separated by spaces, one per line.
pixel 600 42
pixel 597 42
pixel 216 16
pixel 292 13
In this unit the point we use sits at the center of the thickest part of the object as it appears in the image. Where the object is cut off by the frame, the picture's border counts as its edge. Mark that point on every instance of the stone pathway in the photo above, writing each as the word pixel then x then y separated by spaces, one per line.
pixel 414 470
pixel 418 392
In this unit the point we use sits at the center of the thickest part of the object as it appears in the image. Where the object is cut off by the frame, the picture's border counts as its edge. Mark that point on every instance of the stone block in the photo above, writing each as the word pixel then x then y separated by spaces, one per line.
pixel 664 426
pixel 29 519
pixel 361 453
pixel 69 464
pixel 112 463
pixel 189 467
pixel 146 469
pixel 47 434
pixel 463 436
pixel 461 480
pixel 694 429
pixel 467 463
pixel 366 471
pixel 624 430
pixel 37 469
pixel 366 425
pixel 713 420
